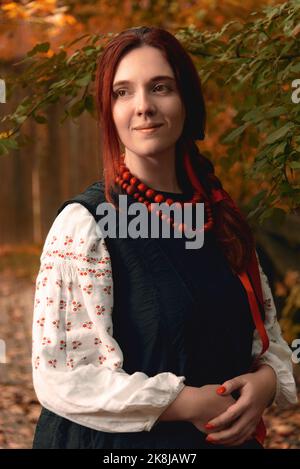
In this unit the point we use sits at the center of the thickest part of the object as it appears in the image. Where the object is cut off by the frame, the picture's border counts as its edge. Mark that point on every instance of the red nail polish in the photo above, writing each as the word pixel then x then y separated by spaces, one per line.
pixel 210 439
pixel 209 426
pixel 221 389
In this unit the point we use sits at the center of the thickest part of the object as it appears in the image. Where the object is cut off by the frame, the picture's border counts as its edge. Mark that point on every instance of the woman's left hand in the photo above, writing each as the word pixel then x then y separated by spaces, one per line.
pixel 238 423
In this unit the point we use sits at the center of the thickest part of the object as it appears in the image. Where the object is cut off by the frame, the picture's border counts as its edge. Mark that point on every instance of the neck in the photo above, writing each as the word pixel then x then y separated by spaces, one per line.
pixel 157 172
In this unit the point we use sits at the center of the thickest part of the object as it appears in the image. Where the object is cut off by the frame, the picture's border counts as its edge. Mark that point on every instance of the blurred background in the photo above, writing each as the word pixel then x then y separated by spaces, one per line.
pixel 54 159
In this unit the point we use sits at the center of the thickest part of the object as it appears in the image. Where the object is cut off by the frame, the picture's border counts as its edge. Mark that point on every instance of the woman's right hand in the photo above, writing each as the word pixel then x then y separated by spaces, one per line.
pixel 207 404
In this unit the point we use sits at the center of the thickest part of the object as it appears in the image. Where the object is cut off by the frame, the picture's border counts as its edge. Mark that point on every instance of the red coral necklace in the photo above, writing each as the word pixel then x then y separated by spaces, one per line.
pixel 140 191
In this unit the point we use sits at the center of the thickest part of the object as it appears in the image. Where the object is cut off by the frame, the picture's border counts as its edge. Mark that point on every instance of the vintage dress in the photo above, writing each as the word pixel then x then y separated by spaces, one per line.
pixel 94 376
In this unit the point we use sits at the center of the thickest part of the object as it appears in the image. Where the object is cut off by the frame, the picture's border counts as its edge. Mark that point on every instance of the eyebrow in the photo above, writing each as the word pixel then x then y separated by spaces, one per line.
pixel 158 77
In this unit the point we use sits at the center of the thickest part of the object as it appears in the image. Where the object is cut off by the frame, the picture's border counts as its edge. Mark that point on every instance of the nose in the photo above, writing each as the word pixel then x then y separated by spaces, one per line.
pixel 144 103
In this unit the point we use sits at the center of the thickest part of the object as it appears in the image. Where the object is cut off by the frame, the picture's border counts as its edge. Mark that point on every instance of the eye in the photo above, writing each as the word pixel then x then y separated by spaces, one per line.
pixel 162 85
pixel 116 93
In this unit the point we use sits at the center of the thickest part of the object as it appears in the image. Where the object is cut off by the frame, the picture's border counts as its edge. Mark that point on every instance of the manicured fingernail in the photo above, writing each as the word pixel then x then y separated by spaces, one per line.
pixel 210 439
pixel 221 390
pixel 209 426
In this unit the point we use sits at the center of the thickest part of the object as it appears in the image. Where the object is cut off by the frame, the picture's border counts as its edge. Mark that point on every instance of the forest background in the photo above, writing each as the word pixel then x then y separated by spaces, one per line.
pixel 248 57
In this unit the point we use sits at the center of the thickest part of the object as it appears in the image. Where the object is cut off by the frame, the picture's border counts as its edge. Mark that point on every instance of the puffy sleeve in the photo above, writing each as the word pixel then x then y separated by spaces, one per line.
pixel 76 362
pixel 279 354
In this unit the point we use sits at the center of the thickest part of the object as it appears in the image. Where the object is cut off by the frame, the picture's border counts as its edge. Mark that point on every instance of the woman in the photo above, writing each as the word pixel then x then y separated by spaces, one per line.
pixel 133 336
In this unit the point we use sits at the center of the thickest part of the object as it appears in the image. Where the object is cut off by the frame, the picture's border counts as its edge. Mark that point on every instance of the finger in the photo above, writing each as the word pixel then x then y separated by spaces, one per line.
pixel 229 416
pixel 240 441
pixel 232 441
pixel 239 429
pixel 231 385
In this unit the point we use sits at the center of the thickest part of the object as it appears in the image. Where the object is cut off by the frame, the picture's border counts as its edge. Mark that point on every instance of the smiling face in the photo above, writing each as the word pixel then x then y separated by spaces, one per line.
pixel 147 95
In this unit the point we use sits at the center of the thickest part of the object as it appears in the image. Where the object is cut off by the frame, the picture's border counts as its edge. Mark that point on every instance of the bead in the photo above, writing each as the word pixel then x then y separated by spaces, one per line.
pixel 130 190
pixel 159 198
pixel 134 181
pixel 126 175
pixel 142 187
pixel 169 201
pixel 134 187
pixel 150 193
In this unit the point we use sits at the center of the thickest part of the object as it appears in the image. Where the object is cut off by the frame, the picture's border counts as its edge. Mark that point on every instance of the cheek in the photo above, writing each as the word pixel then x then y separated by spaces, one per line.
pixel 175 111
pixel 120 117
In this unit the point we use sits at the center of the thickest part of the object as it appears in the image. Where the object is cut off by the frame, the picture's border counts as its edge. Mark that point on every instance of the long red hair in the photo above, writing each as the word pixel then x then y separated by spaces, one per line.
pixel 193 170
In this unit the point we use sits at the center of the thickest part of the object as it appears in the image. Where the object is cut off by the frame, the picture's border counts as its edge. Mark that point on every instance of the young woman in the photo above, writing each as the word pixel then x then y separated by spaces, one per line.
pixel 139 342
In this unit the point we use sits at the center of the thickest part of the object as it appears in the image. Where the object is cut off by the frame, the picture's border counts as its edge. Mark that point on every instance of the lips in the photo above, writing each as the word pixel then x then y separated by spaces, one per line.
pixel 148 127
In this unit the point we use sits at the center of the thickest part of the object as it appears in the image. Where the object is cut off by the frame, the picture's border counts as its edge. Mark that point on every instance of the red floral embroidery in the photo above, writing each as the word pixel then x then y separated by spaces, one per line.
pixel 68 240
pixel 36 362
pixel 107 289
pixel 41 321
pixel 110 348
pixel 62 345
pixel 100 310
pixel 76 344
pixel 88 324
pixel 46 340
pixel 70 362
pixel 52 363
pixel 76 305
pixel 102 359
pixel 62 305
pixel 49 301
pixel 88 289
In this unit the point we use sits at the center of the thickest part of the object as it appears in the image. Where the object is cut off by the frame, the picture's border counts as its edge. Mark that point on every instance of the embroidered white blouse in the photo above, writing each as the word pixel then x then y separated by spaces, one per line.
pixel 77 363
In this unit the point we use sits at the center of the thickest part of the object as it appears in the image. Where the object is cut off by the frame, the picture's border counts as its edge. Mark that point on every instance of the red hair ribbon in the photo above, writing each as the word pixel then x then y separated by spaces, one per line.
pixel 253 273
pixel 218 195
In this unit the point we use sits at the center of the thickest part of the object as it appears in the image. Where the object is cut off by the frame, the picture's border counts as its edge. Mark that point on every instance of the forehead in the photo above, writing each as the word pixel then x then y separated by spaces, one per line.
pixel 142 63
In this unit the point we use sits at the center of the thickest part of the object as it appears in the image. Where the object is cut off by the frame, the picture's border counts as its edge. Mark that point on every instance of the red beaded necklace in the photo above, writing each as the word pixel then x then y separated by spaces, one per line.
pixel 140 191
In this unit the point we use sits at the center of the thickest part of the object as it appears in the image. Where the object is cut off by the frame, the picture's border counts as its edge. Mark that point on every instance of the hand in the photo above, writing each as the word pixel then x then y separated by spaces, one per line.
pixel 238 423
pixel 207 404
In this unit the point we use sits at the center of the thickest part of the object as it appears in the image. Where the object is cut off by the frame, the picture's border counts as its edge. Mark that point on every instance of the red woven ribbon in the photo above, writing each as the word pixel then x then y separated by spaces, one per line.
pixel 254 293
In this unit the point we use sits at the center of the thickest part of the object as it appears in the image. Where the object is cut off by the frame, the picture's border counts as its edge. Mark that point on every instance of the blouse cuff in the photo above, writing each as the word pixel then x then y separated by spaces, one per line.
pixel 286 392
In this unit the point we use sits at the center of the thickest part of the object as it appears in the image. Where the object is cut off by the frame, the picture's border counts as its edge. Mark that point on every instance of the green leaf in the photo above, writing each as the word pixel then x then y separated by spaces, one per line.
pixel 279 149
pixel 77 108
pixel 280 133
pixel 89 103
pixel 295 67
pixel 42 47
pixel 20 119
pixel 235 133
pixel 84 81
pixel 40 119
pixel 10 143
pixel 277 215
pixel 294 165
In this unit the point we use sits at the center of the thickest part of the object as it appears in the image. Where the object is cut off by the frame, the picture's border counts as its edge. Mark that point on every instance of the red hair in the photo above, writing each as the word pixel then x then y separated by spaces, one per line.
pixel 193 170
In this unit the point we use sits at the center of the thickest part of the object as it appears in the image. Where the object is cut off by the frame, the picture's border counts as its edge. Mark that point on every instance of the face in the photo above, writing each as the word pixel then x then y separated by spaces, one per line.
pixel 144 99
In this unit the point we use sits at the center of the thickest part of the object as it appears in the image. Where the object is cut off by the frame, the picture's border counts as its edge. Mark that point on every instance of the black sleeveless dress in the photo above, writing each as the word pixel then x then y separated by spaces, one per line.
pixel 211 344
